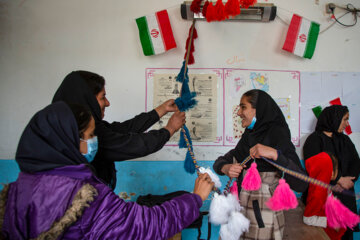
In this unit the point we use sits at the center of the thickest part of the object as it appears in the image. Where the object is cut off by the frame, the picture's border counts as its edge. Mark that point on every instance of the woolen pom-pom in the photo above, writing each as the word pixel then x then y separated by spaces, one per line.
pixel 252 180
pixel 339 216
pixel 283 198
pixel 219 210
pixel 215 178
pixel 221 207
pixel 236 226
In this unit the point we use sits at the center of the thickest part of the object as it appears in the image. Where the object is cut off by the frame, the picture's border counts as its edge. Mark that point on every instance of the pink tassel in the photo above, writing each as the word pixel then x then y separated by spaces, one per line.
pixel 283 198
pixel 252 180
pixel 234 190
pixel 339 216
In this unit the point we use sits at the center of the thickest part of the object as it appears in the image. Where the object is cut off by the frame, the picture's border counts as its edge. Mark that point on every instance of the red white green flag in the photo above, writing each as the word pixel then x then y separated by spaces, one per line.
pixel 155 32
pixel 318 109
pixel 301 37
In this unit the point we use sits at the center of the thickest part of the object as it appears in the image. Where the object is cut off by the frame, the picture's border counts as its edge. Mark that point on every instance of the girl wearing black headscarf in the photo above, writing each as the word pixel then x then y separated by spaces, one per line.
pixel 266 135
pixel 117 141
pixel 57 196
pixel 329 137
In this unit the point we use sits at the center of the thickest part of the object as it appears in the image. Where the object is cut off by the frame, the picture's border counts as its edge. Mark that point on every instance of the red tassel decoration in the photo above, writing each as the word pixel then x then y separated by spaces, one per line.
pixel 191 59
pixel 192 47
pixel 234 190
pixel 195 35
pixel 220 11
pixel 252 180
pixel 210 13
pixel 283 198
pixel 247 3
pixel 204 10
pixel 339 216
pixel 232 8
pixel 195 6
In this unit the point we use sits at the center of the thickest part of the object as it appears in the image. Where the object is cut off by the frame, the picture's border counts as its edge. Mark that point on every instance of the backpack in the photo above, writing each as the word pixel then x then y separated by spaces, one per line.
pixel 152 200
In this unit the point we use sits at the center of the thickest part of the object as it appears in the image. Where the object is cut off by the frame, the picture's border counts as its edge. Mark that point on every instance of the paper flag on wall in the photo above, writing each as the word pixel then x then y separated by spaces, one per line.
pixel 156 35
pixel 301 37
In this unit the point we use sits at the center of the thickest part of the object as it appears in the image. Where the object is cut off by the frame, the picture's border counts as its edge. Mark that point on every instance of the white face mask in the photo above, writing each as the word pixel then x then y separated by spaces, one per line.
pixel 92 147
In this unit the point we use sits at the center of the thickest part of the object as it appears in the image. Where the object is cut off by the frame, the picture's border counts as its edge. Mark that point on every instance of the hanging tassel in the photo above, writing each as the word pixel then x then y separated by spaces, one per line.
pixel 220 11
pixel 181 77
pixel 211 13
pixel 235 227
pixel 195 6
pixel 234 190
pixel 182 142
pixel 338 215
pixel 247 3
pixel 214 177
pixel 188 163
pixel 191 59
pixel 186 101
pixel 192 49
pixel 283 198
pixel 195 35
pixel 252 180
pixel 232 8
pixel 204 10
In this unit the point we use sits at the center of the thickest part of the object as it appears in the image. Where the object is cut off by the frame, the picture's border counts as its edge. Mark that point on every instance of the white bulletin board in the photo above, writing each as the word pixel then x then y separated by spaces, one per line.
pixel 282 86
pixel 231 83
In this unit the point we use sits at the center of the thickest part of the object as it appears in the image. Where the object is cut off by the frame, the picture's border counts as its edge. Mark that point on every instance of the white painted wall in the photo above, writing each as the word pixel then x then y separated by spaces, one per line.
pixel 43 40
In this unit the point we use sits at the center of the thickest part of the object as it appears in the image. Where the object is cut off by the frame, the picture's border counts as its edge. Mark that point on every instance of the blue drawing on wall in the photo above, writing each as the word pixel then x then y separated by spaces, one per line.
pixel 259 81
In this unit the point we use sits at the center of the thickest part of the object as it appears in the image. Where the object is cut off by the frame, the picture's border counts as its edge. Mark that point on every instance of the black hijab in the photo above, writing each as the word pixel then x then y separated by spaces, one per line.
pixel 268 116
pixel 74 89
pixel 330 120
pixel 50 140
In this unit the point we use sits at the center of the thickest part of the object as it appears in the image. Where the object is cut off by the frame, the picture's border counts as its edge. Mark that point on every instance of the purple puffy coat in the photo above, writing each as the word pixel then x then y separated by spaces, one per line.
pixel 36 201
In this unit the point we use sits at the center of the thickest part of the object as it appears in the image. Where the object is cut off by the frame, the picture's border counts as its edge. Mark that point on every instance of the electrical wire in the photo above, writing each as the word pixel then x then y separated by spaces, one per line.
pixel 332 24
pixel 350 9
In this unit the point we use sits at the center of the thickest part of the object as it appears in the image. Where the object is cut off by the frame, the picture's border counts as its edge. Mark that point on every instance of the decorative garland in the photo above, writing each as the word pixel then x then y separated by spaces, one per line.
pixel 307 178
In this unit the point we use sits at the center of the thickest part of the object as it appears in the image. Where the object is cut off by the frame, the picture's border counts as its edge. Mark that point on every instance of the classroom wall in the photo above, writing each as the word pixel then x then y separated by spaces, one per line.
pixel 43 40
